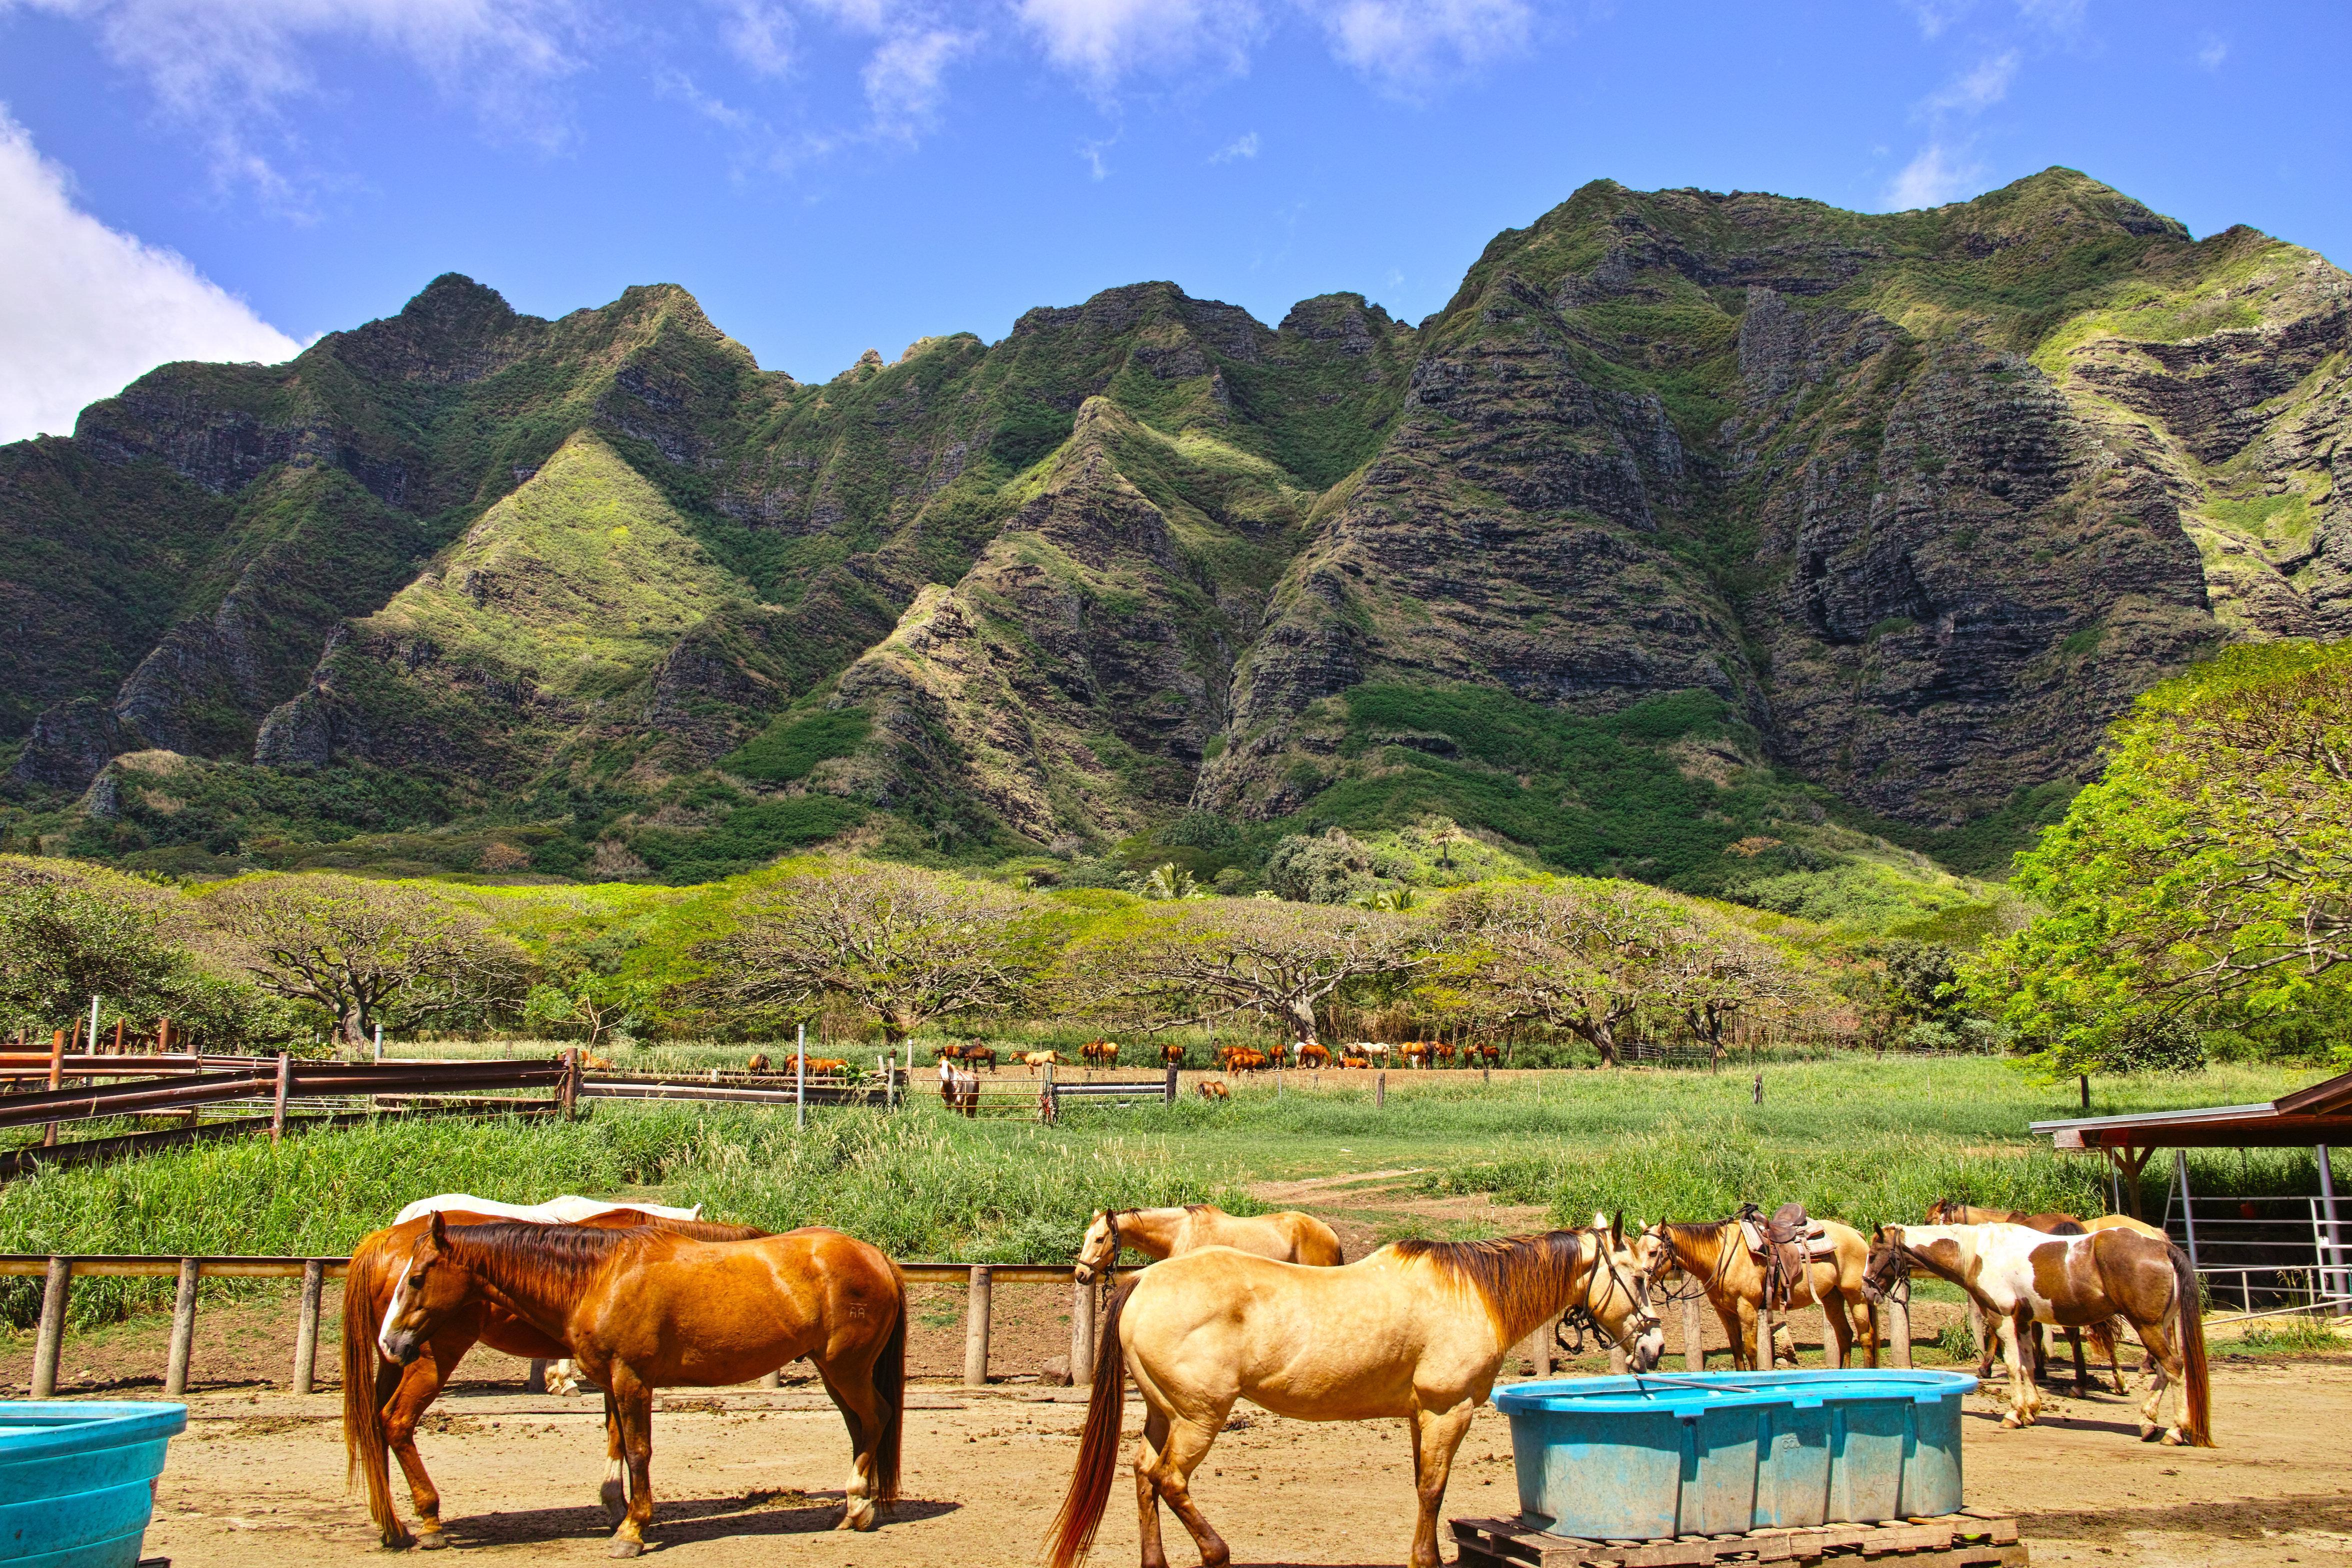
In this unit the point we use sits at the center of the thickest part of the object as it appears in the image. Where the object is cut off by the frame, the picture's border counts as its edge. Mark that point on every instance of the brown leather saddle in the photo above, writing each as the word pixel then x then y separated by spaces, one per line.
pixel 1785 1244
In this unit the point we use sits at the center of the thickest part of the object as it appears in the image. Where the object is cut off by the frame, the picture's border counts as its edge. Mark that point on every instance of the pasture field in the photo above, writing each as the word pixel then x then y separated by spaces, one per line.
pixel 1448 1154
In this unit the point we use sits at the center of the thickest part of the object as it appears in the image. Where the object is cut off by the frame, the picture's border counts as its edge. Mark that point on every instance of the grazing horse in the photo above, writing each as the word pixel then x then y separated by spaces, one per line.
pixel 1416 1053
pixel 1241 1059
pixel 645 1309
pixel 1099 1053
pixel 1714 1254
pixel 382 1403
pixel 1313 1055
pixel 1952 1210
pixel 1289 1237
pixel 1033 1060
pixel 1211 1089
pixel 1171 1056
pixel 2015 1275
pixel 1416 1330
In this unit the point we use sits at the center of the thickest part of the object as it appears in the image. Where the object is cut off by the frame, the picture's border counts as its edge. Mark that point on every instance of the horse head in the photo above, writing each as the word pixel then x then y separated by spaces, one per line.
pixel 431 1287
pixel 1947 1211
pixel 1617 1294
pixel 1099 1251
pixel 1888 1262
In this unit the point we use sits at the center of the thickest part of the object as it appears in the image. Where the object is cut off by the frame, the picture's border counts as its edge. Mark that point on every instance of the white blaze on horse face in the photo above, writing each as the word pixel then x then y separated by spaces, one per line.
pixel 392 1310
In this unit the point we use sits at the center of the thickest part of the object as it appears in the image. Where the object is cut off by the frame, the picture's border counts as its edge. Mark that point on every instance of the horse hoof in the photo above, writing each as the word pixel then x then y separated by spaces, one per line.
pixel 431 1541
pixel 857 1519
pixel 616 1498
pixel 2172 1436
pixel 2010 1422
pixel 2147 1433
pixel 624 1547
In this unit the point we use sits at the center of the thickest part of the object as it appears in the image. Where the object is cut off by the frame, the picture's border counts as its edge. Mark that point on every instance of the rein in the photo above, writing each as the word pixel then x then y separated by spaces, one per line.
pixel 1580 1317
pixel 1697 1288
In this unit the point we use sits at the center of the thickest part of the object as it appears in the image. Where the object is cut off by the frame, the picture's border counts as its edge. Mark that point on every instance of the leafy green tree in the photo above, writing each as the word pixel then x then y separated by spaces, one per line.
pixel 366 953
pixel 906 945
pixel 1208 961
pixel 68 932
pixel 2209 868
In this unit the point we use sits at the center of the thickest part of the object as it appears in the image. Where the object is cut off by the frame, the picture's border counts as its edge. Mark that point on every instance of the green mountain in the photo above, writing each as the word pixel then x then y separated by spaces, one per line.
pixel 1715 540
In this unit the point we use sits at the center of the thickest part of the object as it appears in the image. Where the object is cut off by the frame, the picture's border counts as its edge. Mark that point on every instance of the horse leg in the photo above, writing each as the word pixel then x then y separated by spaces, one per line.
pixel 1148 1450
pixel 1740 1328
pixel 614 1493
pixel 868 1418
pixel 419 1385
pixel 1186 1445
pixel 1434 1439
pixel 633 1404
pixel 2165 1367
pixel 1833 1312
pixel 2082 1368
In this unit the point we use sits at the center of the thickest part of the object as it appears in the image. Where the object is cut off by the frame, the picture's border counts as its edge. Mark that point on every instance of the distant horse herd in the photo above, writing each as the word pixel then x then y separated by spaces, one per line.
pixel 1263 1307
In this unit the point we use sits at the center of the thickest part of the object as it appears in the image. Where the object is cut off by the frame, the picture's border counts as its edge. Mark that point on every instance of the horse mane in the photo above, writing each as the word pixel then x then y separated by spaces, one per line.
pixel 556 1259
pixel 1523 1279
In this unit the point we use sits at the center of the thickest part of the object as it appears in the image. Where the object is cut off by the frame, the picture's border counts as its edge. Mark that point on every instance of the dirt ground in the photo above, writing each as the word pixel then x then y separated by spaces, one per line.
pixel 258 1481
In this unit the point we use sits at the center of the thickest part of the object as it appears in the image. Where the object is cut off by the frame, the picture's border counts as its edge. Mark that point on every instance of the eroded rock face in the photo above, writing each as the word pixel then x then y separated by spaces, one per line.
pixel 1925 499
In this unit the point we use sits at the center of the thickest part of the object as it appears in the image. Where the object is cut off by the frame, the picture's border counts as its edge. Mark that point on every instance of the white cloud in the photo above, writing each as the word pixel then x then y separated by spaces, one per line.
pixel 1935 16
pixel 87 309
pixel 757 33
pixel 1092 152
pixel 1979 90
pixel 1931 179
pixel 1102 41
pixel 1409 42
pixel 223 67
pixel 903 79
pixel 2212 52
pixel 1242 146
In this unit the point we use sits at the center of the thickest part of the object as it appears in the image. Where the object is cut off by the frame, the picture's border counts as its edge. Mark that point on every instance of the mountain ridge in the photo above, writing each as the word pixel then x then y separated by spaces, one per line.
pixel 1908 504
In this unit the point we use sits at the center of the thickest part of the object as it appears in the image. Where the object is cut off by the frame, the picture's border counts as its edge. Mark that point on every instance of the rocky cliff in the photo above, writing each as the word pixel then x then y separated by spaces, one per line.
pixel 1802 507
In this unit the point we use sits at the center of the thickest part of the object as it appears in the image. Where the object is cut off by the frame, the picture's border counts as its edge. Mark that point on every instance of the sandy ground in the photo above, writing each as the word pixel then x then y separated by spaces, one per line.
pixel 748 1477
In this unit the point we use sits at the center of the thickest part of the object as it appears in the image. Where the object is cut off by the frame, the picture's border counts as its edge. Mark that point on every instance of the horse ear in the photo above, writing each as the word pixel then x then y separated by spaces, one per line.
pixel 438 1230
pixel 1617 1228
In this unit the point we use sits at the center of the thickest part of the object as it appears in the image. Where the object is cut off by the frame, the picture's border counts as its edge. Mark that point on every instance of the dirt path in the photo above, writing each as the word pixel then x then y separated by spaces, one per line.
pixel 747 1479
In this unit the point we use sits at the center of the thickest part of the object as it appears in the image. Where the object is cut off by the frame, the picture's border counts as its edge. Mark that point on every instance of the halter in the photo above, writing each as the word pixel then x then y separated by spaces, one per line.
pixel 1579 1318
pixel 1873 1290
pixel 1695 1286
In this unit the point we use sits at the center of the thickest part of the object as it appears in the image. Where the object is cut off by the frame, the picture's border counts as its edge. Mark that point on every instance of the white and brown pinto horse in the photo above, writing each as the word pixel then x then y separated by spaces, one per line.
pixel 1416 1330
pixel 1287 1237
pixel 2016 1275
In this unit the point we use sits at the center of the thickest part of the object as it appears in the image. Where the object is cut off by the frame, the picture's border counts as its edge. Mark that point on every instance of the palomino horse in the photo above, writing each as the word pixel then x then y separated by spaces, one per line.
pixel 382 1402
pixel 2015 1275
pixel 1418 1330
pixel 646 1309
pixel 1952 1210
pixel 1714 1254
pixel 1286 1237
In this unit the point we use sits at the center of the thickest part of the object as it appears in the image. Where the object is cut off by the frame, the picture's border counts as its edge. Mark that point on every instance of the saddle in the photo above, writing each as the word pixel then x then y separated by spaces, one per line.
pixel 1785 1246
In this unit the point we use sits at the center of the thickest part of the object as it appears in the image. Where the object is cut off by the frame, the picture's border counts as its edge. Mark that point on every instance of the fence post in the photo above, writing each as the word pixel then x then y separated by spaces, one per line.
pixel 800 1080
pixel 1898 1322
pixel 1082 1335
pixel 277 1105
pixel 306 1327
pixel 183 1330
pixel 2331 1261
pixel 50 1341
pixel 534 1378
pixel 1170 1091
pixel 56 1081
pixel 773 1378
pixel 975 1328
pixel 889 1078
pixel 1694 1331
pixel 567 1086
pixel 1380 1090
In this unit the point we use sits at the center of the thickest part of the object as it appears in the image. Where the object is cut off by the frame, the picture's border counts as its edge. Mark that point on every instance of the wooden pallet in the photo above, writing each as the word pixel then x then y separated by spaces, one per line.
pixel 1969 1538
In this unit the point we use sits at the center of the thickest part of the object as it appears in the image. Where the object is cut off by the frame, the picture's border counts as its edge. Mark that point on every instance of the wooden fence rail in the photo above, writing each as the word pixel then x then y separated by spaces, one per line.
pixel 58 1274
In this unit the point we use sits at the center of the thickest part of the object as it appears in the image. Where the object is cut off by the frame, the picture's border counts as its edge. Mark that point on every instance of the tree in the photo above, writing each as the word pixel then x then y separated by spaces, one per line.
pixel 907 946
pixel 2208 868
pixel 1170 881
pixel 1712 972
pixel 68 932
pixel 1200 964
pixel 1585 956
pixel 366 953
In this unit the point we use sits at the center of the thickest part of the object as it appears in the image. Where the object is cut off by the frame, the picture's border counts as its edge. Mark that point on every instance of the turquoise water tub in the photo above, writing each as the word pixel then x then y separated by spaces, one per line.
pixel 1715 1453
pixel 77 1479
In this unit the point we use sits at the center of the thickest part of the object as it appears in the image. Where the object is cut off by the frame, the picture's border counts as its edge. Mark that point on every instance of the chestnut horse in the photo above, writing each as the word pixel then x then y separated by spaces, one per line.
pixel 645 1309
pixel 382 1403
pixel 2018 1275
pixel 1418 1330
pixel 1714 1255
pixel 1289 1237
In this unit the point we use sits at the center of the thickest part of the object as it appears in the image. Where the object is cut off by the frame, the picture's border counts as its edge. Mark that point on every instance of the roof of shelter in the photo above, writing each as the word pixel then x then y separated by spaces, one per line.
pixel 2319 1114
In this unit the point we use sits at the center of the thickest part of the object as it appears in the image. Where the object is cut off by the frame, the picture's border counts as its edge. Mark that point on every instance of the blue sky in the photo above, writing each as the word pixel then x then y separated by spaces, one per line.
pixel 224 178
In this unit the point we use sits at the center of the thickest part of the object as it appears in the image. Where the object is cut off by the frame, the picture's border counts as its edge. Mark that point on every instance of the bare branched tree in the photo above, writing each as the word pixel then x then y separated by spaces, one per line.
pixel 907 946
pixel 1202 961
pixel 366 952
pixel 1585 956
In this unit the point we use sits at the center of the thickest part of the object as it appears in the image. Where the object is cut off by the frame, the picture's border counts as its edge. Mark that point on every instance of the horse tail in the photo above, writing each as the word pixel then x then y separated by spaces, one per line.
pixel 2199 1421
pixel 1074 1528
pixel 368 1382
pixel 890 1383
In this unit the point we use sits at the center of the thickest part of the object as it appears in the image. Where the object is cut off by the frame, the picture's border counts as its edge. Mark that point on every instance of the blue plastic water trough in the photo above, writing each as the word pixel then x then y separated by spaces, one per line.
pixel 1716 1453
pixel 77 1479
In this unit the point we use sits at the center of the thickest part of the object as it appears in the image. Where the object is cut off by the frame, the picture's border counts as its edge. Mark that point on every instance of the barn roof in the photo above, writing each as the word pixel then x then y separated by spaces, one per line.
pixel 2319 1114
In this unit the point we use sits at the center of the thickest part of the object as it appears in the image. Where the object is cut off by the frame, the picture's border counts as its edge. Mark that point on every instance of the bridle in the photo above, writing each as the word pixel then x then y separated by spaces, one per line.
pixel 1578 1319
pixel 1108 1266
pixel 1879 1275
pixel 1673 1263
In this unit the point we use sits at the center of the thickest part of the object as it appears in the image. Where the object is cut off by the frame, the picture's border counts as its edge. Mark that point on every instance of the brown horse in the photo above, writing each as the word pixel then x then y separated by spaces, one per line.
pixel 1416 1330
pixel 1714 1254
pixel 645 1309
pixel 1952 1211
pixel 382 1403
pixel 2015 1276
pixel 1289 1237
